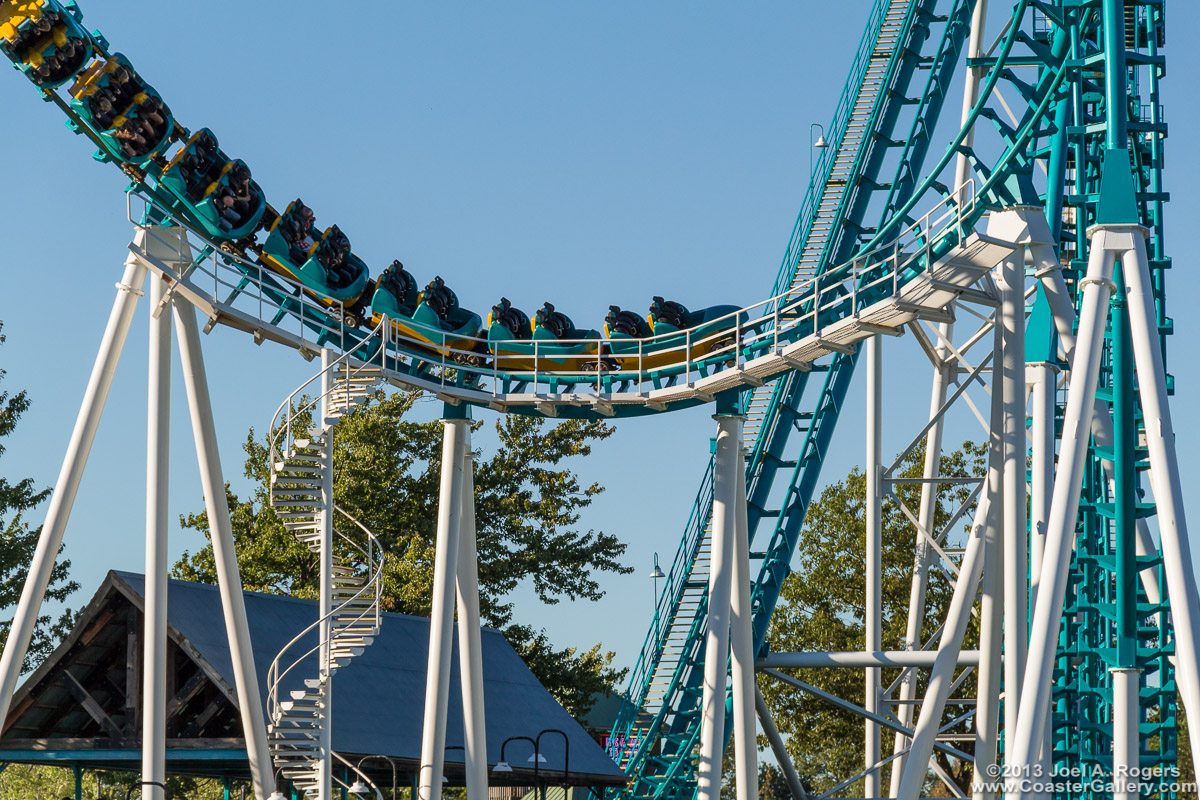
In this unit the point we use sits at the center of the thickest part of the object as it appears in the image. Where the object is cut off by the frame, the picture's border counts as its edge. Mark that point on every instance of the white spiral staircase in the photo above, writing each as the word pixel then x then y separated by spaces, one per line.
pixel 301 456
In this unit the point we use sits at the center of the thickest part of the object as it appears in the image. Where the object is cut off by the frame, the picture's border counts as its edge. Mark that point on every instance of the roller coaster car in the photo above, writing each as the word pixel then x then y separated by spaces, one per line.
pixel 127 112
pixel 215 191
pixel 437 323
pixel 395 293
pixel 507 322
pixel 323 264
pixel 548 343
pixel 44 39
pixel 669 333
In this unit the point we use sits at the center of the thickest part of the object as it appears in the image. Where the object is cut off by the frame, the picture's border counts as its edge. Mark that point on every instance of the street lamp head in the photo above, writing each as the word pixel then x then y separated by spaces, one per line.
pixel 541 759
pixel 277 795
pixel 501 766
pixel 359 788
pixel 657 572
pixel 821 143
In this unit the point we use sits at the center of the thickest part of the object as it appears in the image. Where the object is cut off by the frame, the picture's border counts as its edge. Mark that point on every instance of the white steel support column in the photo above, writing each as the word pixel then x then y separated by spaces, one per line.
pixel 1045 379
pixel 326 575
pixel 1016 536
pixel 962 167
pixel 991 605
pixel 229 582
pixel 873 551
pixel 923 553
pixel 1025 740
pixel 1063 312
pixel 1164 479
pixel 716 644
pixel 158 448
pixel 441 620
pixel 65 488
pixel 941 676
pixel 907 691
pixel 1126 683
pixel 470 646
pixel 745 734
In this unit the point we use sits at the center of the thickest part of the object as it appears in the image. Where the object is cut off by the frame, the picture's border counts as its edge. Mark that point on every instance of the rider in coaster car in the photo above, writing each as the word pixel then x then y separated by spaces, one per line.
pixel 512 318
pixel 553 321
pixel 58 64
pixel 397 280
pixel 153 111
pixel 147 129
pixel 101 106
pixel 27 38
pixel 197 164
pixel 244 198
pixel 36 29
pixel 132 141
pixel 625 322
pixel 122 85
pixel 223 200
pixel 669 312
pixel 296 227
pixel 43 74
pixel 331 255
pixel 439 297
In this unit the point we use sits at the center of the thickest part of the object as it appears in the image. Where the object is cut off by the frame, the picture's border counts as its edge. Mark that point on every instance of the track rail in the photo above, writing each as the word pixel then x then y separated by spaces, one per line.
pixel 825 315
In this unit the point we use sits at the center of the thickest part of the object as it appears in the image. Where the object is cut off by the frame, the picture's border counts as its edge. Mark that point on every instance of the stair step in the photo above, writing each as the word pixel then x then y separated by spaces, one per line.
pixel 353 641
pixel 298 480
pixel 311 458
pixel 282 466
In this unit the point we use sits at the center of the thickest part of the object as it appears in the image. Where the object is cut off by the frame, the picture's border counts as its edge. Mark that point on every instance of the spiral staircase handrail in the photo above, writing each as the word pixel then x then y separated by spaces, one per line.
pixel 374 583
pixel 283 433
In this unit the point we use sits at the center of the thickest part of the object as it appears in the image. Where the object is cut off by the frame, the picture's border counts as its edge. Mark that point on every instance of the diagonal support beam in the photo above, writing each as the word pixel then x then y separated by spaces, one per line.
pixel 846 705
pixel 777 746
pixel 92 706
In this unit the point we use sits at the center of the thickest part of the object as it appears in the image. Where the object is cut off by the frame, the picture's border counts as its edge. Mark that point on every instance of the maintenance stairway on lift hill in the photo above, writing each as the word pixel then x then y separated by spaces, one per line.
pixel 663 696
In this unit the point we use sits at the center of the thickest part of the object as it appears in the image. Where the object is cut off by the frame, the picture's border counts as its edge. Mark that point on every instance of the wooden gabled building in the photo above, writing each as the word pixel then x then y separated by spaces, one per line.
pixel 81 707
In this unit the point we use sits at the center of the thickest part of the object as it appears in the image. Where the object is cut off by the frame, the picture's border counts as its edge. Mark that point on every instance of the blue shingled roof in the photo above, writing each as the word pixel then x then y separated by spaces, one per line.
pixel 378 699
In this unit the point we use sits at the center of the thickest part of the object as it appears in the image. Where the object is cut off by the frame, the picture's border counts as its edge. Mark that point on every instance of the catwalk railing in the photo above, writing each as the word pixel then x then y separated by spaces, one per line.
pixel 747 346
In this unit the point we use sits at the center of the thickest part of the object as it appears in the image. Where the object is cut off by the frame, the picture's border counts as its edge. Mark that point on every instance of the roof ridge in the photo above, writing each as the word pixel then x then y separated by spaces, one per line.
pixel 141 576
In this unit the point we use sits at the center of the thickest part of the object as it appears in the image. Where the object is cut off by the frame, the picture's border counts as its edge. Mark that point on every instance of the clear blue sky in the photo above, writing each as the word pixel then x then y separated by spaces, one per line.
pixel 582 153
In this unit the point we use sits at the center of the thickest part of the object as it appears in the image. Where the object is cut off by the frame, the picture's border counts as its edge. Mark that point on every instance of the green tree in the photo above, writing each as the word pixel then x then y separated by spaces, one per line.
pixel 18 542
pixel 387 473
pixel 821 607
pixel 37 782
pixel 1183 745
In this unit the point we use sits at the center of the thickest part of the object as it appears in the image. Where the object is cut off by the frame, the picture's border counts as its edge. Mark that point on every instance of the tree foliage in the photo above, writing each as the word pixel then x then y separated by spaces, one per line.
pixel 387 474
pixel 821 608
pixel 44 782
pixel 18 542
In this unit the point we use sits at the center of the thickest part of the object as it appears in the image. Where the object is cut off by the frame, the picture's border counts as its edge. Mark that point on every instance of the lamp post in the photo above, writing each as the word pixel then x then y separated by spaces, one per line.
pixel 276 795
pixel 503 766
pixel 656 574
pixel 361 788
pixel 819 144
pixel 566 755
pixel 454 747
